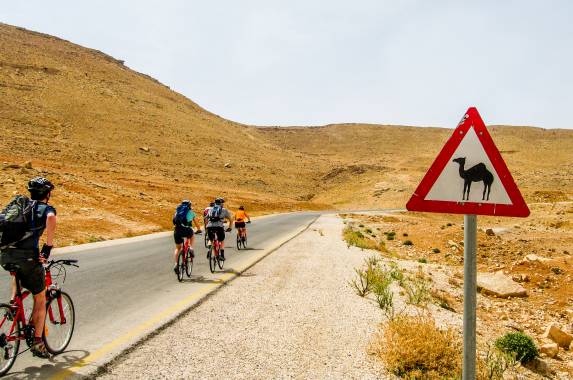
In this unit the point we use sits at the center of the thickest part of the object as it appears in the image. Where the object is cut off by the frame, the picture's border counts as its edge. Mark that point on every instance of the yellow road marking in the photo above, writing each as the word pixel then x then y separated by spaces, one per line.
pixel 141 328
pixel 181 305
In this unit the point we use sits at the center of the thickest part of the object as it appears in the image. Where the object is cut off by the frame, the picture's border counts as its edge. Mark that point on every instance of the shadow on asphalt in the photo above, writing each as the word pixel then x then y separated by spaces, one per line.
pixel 52 366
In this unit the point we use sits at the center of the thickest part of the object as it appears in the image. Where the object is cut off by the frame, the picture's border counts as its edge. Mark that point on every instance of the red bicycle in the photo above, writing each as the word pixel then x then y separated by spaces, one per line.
pixel 242 237
pixel 213 254
pixel 185 260
pixel 15 325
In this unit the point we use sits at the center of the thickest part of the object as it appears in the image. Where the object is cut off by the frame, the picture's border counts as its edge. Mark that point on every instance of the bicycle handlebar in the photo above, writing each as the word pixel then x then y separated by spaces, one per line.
pixel 71 262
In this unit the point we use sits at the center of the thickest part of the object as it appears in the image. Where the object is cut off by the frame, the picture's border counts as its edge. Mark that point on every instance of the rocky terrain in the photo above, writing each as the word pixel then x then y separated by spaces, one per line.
pixel 123 149
pixel 525 272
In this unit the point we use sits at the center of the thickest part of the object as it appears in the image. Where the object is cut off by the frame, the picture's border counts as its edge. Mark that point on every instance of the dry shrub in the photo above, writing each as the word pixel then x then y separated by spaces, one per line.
pixel 415 348
pixel 358 239
pixel 443 299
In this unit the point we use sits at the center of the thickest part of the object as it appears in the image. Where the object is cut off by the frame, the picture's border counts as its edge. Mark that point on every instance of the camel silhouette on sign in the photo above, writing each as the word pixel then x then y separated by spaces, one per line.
pixel 476 173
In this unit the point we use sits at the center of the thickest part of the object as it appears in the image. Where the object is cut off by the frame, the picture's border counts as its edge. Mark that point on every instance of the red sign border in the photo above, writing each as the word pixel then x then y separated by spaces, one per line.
pixel 472 119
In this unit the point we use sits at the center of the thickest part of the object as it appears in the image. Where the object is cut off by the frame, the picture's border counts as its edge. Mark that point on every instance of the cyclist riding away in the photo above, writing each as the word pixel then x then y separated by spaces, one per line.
pixel 183 220
pixel 240 218
pixel 38 216
pixel 206 212
pixel 216 224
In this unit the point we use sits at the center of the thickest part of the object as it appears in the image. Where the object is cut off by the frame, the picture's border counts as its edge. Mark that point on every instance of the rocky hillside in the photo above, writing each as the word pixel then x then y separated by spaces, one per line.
pixel 123 149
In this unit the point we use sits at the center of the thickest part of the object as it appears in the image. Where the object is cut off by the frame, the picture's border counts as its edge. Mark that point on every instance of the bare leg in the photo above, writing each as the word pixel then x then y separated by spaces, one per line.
pixel 39 313
pixel 177 249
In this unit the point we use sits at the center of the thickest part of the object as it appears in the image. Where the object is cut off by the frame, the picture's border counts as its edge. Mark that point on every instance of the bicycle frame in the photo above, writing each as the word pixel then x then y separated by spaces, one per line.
pixel 20 316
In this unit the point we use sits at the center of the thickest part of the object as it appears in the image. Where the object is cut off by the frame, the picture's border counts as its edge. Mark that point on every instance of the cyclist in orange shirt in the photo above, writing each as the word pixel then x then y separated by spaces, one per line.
pixel 240 218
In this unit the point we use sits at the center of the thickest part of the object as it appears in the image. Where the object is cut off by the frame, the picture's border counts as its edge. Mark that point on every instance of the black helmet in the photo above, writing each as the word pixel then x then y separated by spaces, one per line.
pixel 219 201
pixel 186 202
pixel 39 187
pixel 211 204
pixel 241 207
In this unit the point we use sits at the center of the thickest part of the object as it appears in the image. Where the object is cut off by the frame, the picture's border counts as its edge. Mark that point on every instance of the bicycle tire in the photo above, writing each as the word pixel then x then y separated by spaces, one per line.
pixel 212 259
pixel 180 265
pixel 11 348
pixel 245 242
pixel 238 241
pixel 206 239
pixel 220 262
pixel 189 263
pixel 57 346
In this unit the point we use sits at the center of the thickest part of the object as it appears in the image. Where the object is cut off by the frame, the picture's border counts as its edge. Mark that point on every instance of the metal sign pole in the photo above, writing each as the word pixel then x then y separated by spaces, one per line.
pixel 470 296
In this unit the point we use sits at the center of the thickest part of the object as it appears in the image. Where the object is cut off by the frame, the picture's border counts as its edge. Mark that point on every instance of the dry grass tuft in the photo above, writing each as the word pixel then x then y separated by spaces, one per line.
pixel 415 348
pixel 356 238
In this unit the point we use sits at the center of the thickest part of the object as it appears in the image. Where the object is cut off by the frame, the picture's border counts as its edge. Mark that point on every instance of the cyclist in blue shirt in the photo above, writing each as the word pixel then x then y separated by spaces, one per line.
pixel 184 231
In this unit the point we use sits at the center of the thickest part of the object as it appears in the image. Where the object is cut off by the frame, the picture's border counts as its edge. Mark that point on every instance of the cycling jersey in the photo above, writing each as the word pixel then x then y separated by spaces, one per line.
pixel 241 216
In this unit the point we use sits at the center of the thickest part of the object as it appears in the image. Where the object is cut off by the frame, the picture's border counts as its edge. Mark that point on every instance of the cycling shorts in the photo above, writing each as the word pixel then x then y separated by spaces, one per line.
pixel 220 231
pixel 240 225
pixel 180 233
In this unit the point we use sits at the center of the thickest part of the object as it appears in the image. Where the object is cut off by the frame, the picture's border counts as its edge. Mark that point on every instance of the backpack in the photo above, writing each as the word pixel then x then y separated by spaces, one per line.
pixel 17 221
pixel 180 217
pixel 215 213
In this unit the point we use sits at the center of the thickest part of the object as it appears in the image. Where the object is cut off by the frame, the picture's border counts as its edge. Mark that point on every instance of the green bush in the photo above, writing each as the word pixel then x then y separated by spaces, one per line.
pixel 361 225
pixel 436 250
pixel 518 344
pixel 405 234
pixel 368 230
pixel 408 242
pixel 418 291
pixel 390 237
pixel 423 260
pixel 449 224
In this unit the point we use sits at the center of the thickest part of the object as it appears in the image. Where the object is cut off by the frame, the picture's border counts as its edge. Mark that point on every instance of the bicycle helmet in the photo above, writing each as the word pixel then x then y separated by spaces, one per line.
pixel 39 187
pixel 241 207
pixel 187 202
pixel 219 201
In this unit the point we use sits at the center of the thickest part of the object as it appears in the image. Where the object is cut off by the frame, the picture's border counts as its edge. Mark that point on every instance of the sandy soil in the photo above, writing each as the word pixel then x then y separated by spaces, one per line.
pixel 291 316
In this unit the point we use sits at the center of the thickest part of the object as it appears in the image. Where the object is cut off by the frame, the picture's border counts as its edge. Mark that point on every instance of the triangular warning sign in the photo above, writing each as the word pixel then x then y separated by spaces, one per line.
pixel 469 176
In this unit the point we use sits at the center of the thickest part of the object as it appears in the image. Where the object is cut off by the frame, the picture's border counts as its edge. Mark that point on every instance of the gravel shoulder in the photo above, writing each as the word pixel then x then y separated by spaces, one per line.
pixel 290 316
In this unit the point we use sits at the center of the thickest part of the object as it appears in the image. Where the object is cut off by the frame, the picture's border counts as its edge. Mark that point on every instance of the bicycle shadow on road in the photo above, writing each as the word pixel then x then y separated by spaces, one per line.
pixel 51 367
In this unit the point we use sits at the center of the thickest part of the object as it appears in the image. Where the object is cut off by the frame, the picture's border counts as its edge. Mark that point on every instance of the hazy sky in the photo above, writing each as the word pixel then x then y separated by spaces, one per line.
pixel 293 62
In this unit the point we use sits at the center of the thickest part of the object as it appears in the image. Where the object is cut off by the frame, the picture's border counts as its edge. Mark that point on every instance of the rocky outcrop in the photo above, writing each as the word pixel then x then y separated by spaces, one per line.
pixel 499 285
pixel 554 332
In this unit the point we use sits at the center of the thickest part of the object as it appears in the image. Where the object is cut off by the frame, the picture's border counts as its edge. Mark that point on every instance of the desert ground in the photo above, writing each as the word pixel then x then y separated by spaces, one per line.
pixel 123 149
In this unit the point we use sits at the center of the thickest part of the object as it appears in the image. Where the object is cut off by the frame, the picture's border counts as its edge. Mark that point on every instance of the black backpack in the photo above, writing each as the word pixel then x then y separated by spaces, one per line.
pixel 17 221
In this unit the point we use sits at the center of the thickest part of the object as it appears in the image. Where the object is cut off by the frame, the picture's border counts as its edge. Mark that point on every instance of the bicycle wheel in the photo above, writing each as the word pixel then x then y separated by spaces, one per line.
pixel 180 265
pixel 238 241
pixel 9 342
pixel 245 242
pixel 212 259
pixel 189 263
pixel 206 240
pixel 60 322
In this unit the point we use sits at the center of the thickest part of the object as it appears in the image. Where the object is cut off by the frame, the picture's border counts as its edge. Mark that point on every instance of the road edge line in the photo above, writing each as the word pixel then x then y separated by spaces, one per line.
pixel 192 304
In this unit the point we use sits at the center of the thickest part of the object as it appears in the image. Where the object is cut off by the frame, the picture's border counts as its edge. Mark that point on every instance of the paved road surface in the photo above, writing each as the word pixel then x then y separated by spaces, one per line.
pixel 122 292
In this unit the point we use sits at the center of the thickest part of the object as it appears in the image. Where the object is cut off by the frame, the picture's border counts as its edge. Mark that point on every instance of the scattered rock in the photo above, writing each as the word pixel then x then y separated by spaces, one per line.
pixel 489 232
pixel 554 332
pixel 11 166
pixel 556 270
pixel 9 180
pixel 452 244
pixel 499 285
pixel 539 366
pixel 535 258
pixel 144 149
pixel 28 165
pixel 549 349
pixel 521 278
pixel 227 165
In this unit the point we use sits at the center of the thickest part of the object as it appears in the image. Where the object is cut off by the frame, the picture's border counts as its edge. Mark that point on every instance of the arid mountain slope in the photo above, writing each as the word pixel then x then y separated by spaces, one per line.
pixel 123 149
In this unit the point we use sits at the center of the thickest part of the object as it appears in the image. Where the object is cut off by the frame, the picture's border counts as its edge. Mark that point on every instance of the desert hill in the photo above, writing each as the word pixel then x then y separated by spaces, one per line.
pixel 123 149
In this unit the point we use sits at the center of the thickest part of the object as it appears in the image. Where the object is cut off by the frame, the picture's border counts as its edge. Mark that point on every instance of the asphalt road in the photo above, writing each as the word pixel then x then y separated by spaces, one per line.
pixel 123 292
